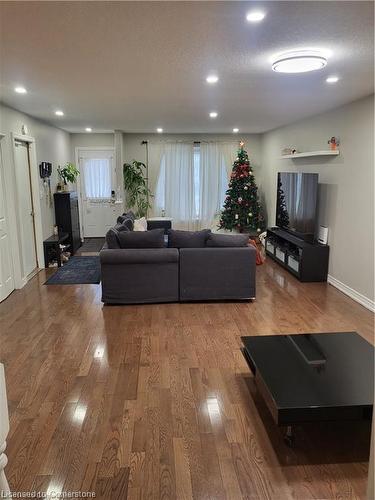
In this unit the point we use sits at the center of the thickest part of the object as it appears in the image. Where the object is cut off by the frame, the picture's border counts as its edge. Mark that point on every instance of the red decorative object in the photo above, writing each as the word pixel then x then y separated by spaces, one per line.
pixel 259 258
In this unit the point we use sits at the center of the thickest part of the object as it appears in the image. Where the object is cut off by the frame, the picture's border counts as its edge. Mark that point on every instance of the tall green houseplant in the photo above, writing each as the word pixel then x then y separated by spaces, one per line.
pixel 136 187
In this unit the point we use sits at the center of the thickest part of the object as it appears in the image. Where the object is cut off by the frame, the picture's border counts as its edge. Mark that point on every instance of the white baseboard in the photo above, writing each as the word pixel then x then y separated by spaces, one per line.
pixel 353 294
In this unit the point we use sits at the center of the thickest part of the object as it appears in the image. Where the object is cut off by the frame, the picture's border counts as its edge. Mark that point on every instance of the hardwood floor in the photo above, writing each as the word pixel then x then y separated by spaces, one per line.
pixel 157 402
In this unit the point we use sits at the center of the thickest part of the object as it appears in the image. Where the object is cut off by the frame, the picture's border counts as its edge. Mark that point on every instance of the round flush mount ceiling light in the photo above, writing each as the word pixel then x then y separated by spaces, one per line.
pixel 20 90
pixel 213 114
pixel 299 61
pixel 88 129
pixel 332 79
pixel 159 130
pixel 212 79
pixel 58 112
pixel 236 130
pixel 255 16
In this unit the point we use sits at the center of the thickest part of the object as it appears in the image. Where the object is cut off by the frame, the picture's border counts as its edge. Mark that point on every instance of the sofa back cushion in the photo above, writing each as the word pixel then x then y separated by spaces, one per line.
pixel 142 239
pixel 188 239
pixel 127 221
pixel 227 240
pixel 111 237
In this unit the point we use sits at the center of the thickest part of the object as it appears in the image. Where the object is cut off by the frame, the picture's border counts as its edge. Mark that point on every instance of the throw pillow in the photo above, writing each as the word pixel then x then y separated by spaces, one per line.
pixel 140 224
pixel 188 239
pixel 227 240
pixel 142 239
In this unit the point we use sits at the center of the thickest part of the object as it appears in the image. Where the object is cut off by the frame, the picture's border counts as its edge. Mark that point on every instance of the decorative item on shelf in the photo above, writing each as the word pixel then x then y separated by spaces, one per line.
pixel 242 210
pixel 334 142
pixel 136 188
pixel 68 173
pixel 288 151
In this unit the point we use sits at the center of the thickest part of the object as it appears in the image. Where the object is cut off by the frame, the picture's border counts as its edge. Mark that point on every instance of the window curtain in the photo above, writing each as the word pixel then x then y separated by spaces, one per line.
pixel 191 182
pixel 97 178
pixel 174 194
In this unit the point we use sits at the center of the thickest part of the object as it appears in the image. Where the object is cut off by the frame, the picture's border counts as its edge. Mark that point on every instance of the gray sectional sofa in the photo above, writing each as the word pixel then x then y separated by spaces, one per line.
pixel 194 266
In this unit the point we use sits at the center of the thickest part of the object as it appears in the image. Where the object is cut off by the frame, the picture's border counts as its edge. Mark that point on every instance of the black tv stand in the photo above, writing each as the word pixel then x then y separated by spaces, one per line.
pixel 306 261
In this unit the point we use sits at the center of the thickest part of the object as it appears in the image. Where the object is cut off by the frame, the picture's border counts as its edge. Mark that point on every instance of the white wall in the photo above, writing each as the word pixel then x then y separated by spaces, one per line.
pixel 52 144
pixel 90 140
pixel 134 150
pixel 346 194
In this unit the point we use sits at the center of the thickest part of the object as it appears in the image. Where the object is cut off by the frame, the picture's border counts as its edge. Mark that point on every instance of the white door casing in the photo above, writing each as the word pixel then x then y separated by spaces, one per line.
pixel 6 265
pixel 25 207
pixel 4 429
pixel 12 200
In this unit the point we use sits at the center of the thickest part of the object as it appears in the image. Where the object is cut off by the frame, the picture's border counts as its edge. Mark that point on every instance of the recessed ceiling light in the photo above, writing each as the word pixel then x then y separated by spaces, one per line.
pixel 213 114
pixel 159 130
pixel 59 112
pixel 299 61
pixel 255 16
pixel 212 79
pixel 332 79
pixel 88 129
pixel 20 90
pixel 236 130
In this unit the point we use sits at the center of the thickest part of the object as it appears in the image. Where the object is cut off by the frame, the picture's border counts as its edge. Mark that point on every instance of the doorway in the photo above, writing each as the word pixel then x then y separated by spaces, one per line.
pixel 26 210
pixel 97 181
pixel 6 266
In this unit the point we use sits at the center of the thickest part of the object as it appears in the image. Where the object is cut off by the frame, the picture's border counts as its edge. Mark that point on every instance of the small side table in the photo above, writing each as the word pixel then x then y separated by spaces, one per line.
pixel 52 246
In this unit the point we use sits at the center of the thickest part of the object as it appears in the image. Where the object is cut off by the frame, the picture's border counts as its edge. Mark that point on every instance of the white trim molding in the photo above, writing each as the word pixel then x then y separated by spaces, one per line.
pixel 353 294
pixel 20 279
pixel 4 429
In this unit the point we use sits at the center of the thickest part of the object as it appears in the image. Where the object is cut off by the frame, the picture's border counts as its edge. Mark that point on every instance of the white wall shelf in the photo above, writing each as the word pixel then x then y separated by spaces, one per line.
pixel 311 153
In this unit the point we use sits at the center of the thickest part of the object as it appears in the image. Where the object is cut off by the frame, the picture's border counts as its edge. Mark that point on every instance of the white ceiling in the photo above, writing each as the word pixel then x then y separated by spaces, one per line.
pixel 135 66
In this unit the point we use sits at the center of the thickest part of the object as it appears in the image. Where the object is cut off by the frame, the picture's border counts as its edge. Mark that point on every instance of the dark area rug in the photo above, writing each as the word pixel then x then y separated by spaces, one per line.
pixel 77 271
pixel 91 245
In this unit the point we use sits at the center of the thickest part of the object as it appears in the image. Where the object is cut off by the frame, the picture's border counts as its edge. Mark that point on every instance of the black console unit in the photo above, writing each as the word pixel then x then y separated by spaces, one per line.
pixel 306 261
pixel 67 218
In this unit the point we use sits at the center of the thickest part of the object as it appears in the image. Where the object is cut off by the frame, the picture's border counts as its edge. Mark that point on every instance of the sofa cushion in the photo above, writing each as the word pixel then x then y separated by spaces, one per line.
pixel 142 239
pixel 188 239
pixel 129 214
pixel 126 221
pixel 111 237
pixel 227 240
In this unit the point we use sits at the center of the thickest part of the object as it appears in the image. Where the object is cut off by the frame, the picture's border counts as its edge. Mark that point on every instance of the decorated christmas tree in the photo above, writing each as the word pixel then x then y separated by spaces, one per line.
pixel 242 210
pixel 282 218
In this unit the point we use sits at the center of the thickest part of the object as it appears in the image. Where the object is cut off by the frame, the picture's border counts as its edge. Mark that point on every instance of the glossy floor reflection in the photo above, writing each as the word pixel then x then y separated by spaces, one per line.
pixel 156 401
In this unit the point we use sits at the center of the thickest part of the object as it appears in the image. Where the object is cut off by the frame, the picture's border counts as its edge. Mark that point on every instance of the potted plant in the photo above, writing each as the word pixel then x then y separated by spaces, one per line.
pixel 136 188
pixel 68 173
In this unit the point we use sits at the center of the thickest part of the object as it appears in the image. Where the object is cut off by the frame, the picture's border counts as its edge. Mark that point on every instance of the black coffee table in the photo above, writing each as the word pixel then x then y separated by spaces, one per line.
pixel 313 377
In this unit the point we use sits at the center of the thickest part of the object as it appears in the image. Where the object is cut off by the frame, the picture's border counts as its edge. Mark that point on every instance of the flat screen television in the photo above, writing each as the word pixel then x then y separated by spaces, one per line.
pixel 296 203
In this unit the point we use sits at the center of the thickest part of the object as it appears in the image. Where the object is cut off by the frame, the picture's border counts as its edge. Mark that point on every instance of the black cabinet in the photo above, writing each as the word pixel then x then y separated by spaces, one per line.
pixel 306 261
pixel 67 217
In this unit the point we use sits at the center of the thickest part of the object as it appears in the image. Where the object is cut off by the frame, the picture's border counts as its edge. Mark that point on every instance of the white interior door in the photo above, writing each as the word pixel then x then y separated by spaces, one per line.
pixel 97 182
pixel 25 207
pixel 6 268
